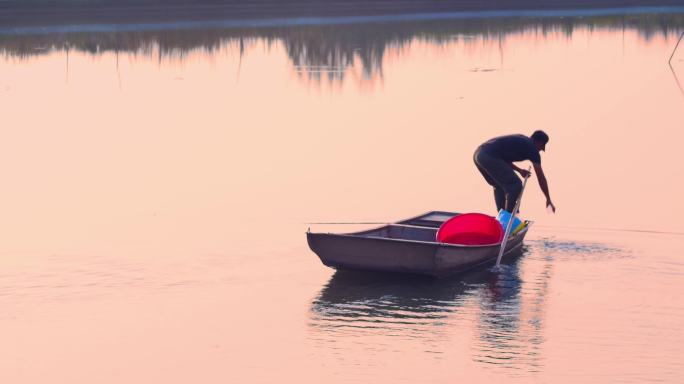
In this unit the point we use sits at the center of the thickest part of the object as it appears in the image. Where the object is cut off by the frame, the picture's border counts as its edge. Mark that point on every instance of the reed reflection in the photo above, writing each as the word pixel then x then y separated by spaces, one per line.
pixel 328 52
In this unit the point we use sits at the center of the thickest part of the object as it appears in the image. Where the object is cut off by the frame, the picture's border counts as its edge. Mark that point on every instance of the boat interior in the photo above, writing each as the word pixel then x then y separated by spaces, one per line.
pixel 420 228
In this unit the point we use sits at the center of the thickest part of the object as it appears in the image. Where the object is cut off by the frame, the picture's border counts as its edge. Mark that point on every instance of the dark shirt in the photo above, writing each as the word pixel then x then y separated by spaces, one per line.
pixel 512 148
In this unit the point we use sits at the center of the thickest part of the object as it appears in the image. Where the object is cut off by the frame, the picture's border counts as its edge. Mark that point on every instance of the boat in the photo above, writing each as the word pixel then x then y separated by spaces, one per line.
pixel 408 246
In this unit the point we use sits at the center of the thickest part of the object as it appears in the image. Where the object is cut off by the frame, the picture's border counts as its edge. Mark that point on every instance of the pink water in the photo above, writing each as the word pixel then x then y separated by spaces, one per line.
pixel 154 209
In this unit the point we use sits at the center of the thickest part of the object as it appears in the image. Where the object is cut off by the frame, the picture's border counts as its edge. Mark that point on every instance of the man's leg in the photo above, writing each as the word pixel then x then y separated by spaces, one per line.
pixel 499 198
pixel 512 192
pixel 499 194
pixel 500 175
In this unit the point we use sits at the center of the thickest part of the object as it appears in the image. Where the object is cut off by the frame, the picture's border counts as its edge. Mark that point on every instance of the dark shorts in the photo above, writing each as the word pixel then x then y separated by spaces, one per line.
pixel 499 174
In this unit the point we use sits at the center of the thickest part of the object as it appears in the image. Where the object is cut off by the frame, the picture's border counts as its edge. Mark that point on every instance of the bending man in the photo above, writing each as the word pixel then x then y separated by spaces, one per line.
pixel 495 158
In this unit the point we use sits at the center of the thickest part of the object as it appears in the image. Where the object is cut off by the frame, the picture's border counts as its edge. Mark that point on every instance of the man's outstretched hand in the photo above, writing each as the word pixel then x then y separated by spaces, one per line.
pixel 549 205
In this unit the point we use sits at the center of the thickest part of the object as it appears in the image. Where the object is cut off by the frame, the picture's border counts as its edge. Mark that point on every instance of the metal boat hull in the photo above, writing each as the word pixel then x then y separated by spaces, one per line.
pixel 405 248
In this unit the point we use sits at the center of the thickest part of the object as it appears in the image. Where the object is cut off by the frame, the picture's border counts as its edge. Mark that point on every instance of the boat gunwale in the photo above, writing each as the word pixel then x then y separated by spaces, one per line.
pixel 398 223
pixel 356 235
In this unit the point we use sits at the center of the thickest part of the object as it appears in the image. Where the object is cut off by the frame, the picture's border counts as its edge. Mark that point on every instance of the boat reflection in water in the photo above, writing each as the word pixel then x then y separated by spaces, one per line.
pixel 496 316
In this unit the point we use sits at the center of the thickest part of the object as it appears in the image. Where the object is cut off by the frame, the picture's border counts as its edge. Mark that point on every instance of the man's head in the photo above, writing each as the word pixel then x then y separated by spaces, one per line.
pixel 540 139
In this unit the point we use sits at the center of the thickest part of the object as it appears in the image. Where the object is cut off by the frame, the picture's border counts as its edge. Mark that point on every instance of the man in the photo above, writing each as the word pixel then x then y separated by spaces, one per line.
pixel 495 158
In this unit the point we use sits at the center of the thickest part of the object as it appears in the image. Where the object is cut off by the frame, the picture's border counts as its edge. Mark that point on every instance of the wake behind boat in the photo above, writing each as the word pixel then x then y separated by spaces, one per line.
pixel 408 246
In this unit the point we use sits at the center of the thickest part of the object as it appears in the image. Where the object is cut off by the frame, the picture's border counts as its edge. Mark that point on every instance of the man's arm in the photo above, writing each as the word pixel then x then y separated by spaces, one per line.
pixel 544 185
pixel 522 172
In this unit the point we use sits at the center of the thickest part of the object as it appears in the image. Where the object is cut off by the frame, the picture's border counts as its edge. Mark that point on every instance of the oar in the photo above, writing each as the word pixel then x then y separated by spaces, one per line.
pixel 511 219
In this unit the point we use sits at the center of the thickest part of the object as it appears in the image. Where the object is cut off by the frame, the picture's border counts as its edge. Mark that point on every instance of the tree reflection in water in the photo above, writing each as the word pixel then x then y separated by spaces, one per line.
pixel 327 51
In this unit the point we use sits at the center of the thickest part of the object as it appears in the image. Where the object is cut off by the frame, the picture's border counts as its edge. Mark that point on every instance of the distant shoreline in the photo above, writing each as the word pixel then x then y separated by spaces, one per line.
pixel 332 20
pixel 39 16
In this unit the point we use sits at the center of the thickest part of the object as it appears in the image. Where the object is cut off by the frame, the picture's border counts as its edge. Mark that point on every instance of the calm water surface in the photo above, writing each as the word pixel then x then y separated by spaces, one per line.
pixel 156 187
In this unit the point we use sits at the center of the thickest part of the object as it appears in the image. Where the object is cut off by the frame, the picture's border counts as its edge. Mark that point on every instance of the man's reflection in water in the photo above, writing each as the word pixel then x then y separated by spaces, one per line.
pixel 504 313
pixel 509 326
